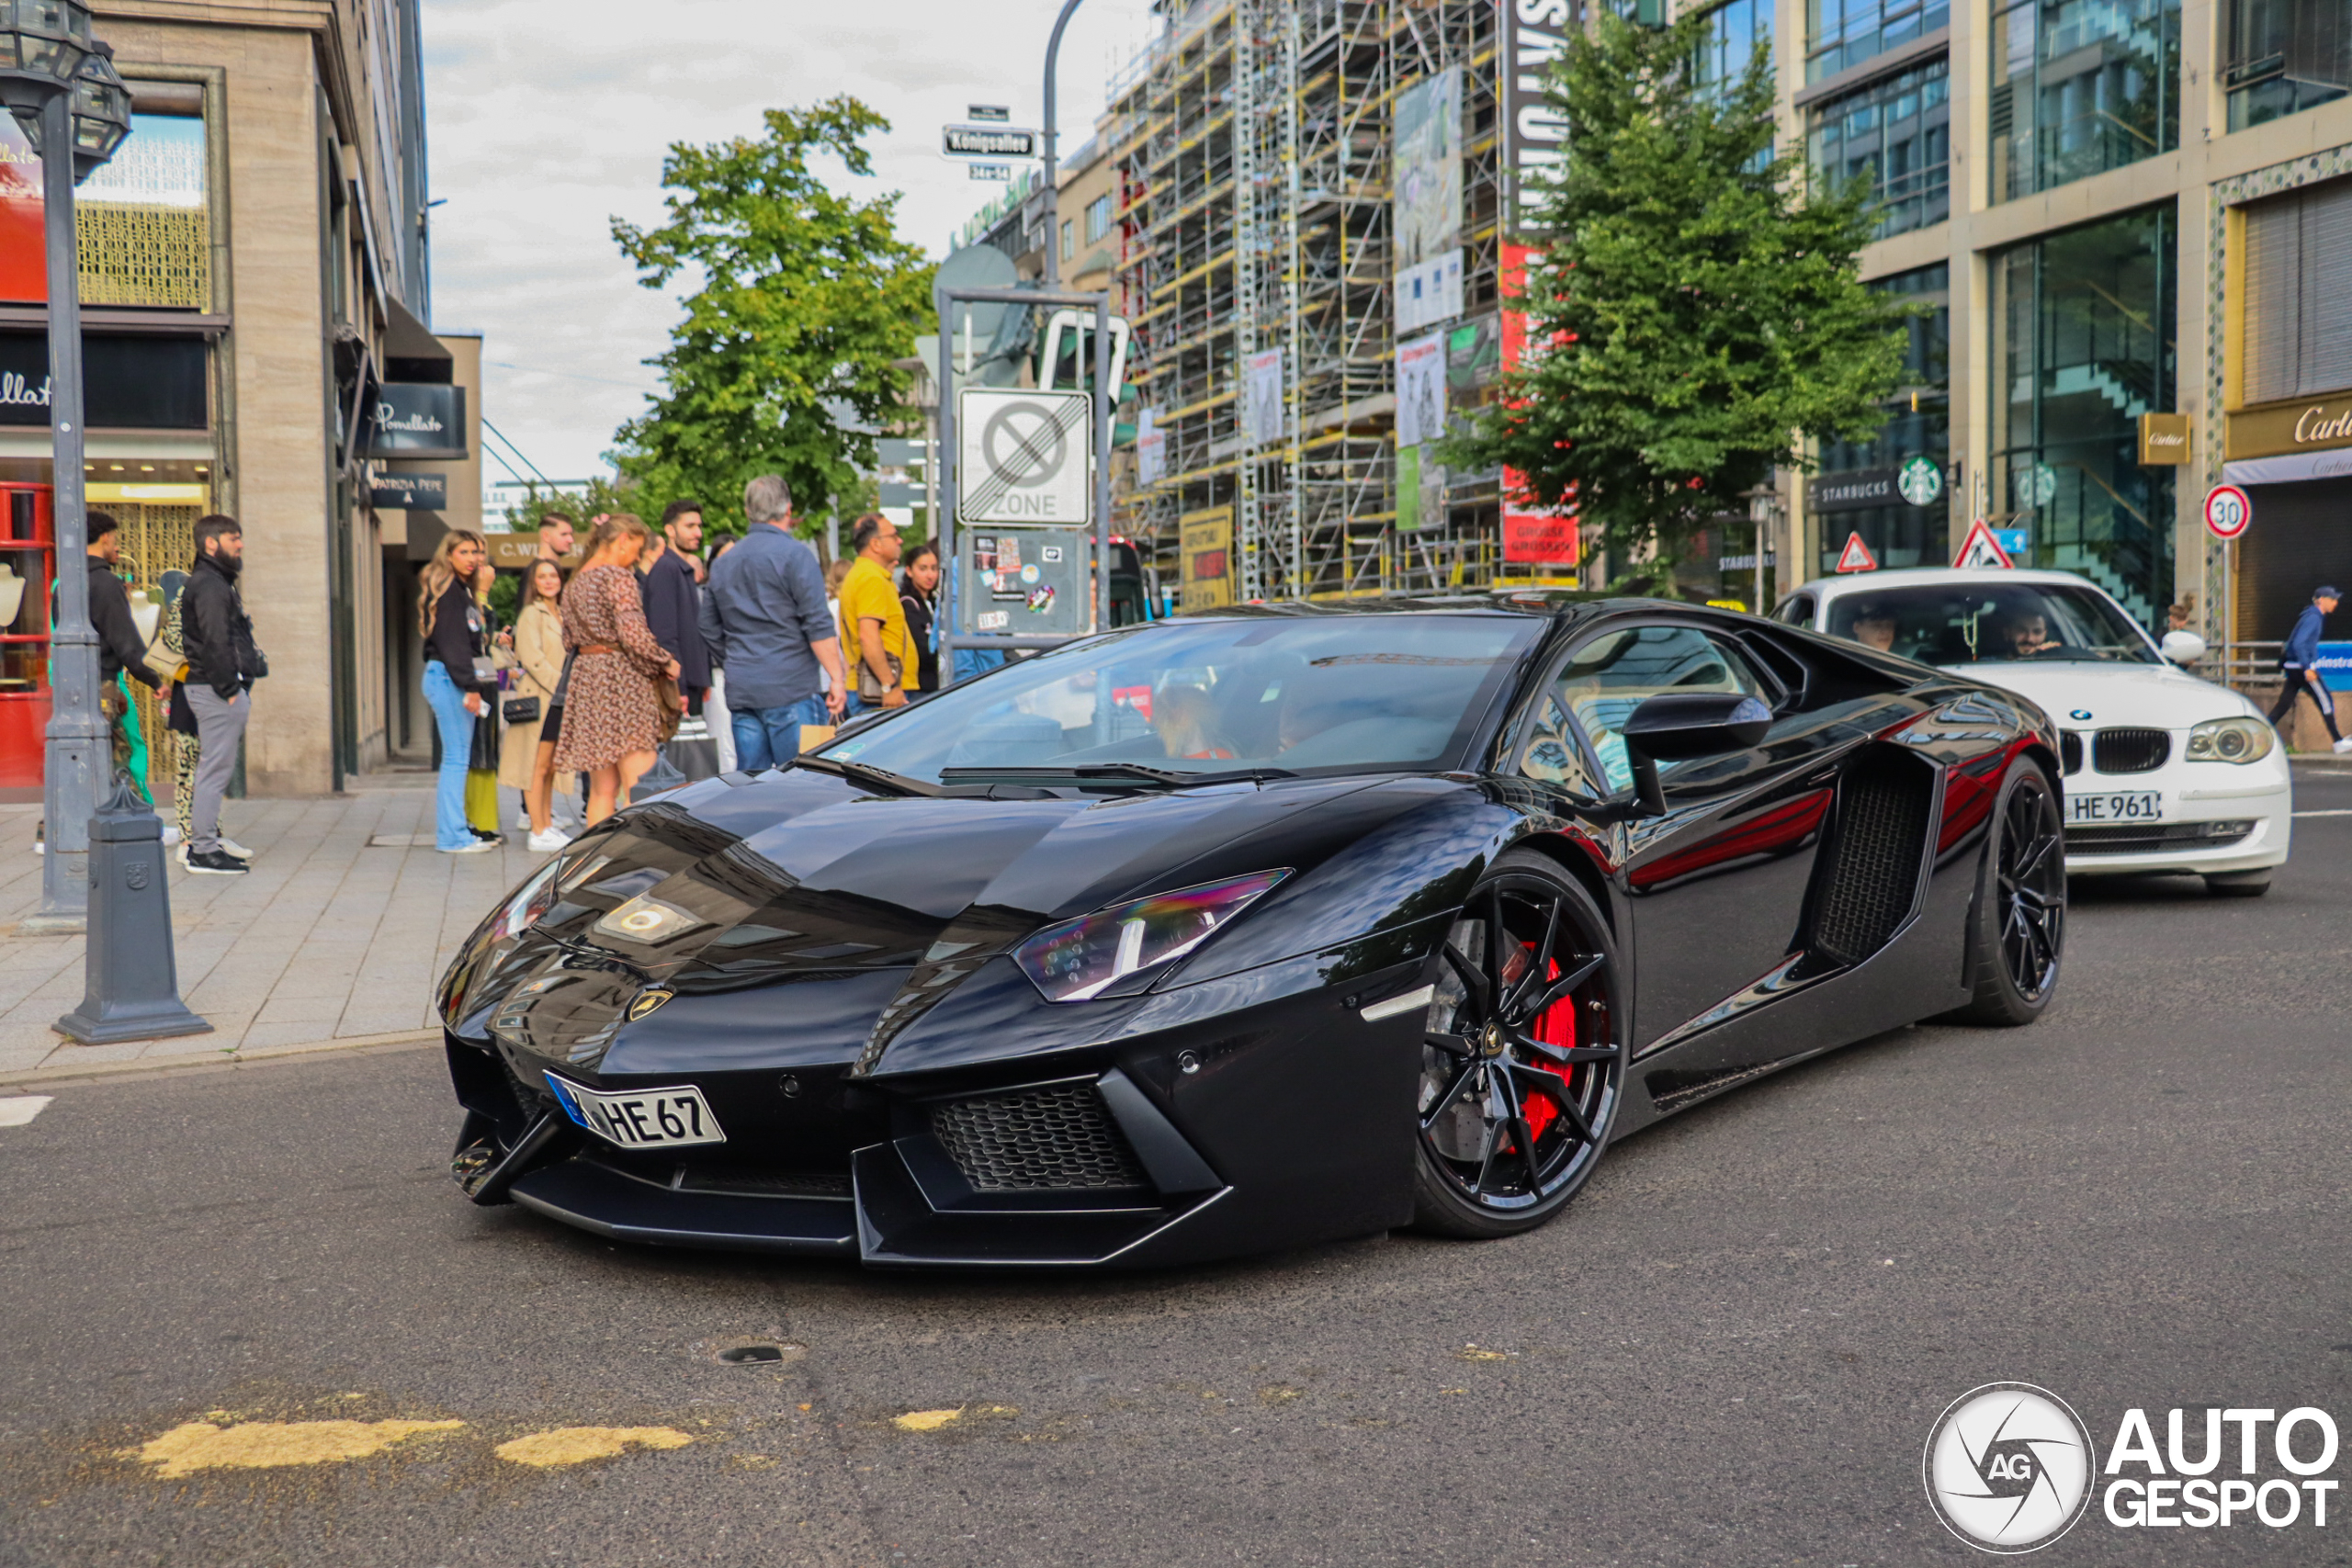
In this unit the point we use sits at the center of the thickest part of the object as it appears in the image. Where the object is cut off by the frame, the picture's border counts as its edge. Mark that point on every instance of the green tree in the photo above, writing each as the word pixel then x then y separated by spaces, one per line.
pixel 805 298
pixel 1695 311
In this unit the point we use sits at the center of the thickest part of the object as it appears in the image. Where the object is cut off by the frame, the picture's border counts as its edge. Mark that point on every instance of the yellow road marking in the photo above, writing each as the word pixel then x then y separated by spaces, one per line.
pixel 926 1420
pixel 268 1445
pixel 578 1445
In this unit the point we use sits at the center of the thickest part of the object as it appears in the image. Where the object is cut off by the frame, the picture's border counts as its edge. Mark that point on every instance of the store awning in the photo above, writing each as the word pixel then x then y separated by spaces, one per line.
pixel 2289 468
pixel 410 351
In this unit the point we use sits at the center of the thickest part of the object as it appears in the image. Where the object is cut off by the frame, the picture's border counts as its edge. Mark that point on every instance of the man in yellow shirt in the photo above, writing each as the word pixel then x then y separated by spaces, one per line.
pixel 873 620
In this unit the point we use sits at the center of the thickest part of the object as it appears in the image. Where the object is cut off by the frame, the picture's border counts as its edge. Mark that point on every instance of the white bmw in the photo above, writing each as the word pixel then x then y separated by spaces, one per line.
pixel 2164 771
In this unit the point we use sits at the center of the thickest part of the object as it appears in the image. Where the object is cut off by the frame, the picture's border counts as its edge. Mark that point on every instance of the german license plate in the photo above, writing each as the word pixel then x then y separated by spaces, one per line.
pixel 2115 805
pixel 641 1119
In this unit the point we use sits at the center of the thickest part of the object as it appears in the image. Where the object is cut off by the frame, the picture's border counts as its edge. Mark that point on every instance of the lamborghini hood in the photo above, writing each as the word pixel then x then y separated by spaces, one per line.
pixel 803 877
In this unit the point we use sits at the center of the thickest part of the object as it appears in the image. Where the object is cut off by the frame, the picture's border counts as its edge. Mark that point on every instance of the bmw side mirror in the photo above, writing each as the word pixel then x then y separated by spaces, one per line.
pixel 1675 726
pixel 2182 648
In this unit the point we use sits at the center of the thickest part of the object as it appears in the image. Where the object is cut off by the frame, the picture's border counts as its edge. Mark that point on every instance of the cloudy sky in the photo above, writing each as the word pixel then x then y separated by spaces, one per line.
pixel 549 117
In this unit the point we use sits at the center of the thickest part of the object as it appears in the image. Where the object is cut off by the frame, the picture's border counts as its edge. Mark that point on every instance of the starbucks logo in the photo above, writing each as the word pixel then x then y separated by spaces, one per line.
pixel 1921 482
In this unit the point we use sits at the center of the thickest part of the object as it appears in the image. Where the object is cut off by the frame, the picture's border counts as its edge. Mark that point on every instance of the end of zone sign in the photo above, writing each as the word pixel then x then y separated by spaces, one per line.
pixel 1025 456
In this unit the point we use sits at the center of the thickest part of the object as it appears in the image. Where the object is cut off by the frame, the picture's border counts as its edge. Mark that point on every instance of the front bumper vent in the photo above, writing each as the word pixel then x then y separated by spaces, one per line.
pixel 1056 1136
pixel 2129 750
pixel 2139 839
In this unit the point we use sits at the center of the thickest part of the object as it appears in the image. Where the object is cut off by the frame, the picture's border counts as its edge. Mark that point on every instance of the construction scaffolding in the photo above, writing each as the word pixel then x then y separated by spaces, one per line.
pixel 1257 264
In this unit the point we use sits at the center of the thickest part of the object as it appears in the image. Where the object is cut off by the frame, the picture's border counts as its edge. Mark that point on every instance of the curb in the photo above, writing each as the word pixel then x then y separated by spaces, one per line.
pixel 218 1061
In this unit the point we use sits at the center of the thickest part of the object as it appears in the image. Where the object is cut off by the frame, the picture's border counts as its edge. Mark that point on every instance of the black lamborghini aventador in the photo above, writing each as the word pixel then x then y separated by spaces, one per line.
pixel 1247 931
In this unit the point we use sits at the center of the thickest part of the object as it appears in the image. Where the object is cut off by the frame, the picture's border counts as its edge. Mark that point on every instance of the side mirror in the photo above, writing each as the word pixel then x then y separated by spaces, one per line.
pixel 1674 726
pixel 2182 648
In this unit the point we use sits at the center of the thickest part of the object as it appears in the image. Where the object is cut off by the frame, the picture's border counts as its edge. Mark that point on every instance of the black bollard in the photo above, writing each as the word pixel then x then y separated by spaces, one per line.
pixel 132 990
pixel 662 777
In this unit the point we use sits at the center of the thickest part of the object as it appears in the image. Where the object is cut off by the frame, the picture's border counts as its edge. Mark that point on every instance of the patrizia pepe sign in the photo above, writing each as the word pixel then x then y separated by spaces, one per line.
pixel 415 419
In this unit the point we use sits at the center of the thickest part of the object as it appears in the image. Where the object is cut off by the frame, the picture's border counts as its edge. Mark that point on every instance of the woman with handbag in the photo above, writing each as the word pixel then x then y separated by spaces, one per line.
pixel 621 701
pixel 460 682
pixel 539 668
pixel 482 766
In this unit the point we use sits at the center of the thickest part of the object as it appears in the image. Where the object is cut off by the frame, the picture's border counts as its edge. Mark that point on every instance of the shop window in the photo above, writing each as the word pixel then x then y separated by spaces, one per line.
pixel 2299 294
pixel 1919 425
pixel 1840 34
pixel 2079 87
pixel 2084 331
pixel 143 219
pixel 1895 134
pixel 2286 56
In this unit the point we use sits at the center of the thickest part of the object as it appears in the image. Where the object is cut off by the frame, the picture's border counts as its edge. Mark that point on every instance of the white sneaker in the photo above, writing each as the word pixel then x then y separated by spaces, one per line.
pixel 480 846
pixel 547 844
pixel 229 846
pixel 2344 747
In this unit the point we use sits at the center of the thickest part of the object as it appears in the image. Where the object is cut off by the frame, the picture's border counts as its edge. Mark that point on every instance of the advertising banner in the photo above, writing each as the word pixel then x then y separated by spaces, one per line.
pixel 1262 398
pixel 1205 555
pixel 1426 171
pixel 1533 32
pixel 1421 389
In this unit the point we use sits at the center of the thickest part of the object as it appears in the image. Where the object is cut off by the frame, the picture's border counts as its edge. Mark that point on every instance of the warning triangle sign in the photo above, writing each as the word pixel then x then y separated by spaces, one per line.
pixel 1856 556
pixel 1980 550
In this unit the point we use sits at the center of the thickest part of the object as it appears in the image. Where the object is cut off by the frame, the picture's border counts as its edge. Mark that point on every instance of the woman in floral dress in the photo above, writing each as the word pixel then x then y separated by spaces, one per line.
pixel 613 711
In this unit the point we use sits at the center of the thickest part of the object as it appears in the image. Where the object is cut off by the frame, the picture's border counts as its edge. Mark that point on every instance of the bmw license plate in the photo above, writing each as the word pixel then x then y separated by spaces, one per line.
pixel 2115 805
pixel 641 1119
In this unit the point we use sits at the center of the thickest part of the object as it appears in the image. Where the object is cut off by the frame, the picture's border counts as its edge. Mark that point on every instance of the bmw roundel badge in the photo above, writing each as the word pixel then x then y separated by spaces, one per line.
pixel 2081 715
pixel 647 1001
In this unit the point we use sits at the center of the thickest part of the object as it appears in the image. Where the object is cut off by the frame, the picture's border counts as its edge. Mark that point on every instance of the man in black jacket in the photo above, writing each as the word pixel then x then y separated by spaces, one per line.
pixel 223 662
pixel 122 650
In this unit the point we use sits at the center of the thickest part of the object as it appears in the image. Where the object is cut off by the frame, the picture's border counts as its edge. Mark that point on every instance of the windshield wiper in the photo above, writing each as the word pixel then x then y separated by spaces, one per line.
pixel 1111 775
pixel 868 774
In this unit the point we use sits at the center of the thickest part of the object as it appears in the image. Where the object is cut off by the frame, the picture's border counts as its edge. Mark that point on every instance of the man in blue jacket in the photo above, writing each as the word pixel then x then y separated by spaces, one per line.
pixel 2299 665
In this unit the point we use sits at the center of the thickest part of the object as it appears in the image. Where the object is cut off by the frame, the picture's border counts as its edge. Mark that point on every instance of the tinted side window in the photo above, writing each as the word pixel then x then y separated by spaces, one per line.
pixel 1604 680
pixel 1795 612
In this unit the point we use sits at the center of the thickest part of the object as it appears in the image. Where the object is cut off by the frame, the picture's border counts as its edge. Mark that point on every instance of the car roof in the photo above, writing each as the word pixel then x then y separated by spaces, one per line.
pixel 1502 602
pixel 1934 576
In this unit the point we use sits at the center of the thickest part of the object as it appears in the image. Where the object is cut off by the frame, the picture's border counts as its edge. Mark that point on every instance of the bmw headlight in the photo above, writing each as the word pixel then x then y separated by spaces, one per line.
pixel 2231 740
pixel 1079 959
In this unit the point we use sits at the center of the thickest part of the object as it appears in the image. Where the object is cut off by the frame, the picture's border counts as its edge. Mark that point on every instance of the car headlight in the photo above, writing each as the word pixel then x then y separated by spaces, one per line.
pixel 2231 740
pixel 525 905
pixel 1079 959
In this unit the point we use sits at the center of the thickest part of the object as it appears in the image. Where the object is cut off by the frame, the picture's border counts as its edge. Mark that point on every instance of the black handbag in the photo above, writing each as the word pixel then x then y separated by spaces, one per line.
pixel 519 710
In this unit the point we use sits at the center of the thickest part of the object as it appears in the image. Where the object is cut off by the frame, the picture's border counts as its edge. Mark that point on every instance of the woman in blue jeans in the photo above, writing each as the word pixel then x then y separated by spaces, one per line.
pixel 460 681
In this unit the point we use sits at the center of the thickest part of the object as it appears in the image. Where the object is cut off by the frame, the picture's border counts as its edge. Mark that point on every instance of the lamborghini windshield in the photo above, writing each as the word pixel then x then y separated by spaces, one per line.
pixel 1968 623
pixel 1291 695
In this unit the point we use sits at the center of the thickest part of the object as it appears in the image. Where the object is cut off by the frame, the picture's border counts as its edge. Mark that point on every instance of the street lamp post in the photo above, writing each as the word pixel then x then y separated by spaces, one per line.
pixel 1053 212
pixel 59 82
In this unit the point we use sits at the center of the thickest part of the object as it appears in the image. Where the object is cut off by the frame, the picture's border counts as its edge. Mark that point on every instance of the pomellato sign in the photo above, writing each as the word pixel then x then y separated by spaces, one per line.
pixel 415 419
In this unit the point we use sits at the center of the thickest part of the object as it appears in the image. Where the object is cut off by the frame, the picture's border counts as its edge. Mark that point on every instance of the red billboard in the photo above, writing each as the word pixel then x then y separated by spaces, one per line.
pixel 24 273
pixel 1534 534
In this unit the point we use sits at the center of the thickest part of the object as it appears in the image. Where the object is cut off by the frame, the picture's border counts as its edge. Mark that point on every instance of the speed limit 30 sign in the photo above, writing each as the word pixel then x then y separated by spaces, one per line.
pixel 2227 512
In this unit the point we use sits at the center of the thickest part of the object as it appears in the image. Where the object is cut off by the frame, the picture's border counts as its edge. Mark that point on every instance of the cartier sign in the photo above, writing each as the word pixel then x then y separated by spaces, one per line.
pixel 2306 425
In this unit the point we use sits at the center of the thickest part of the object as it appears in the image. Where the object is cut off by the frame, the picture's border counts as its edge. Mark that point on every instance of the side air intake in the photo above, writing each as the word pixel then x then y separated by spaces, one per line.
pixel 1871 870
pixel 1053 1136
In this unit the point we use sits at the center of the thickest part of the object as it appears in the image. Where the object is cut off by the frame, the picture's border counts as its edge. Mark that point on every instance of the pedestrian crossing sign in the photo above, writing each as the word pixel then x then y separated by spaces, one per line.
pixel 1981 551
pixel 1856 556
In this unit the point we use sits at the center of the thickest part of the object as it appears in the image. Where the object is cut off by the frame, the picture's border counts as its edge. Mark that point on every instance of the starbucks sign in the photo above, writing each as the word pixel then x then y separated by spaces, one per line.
pixel 1921 482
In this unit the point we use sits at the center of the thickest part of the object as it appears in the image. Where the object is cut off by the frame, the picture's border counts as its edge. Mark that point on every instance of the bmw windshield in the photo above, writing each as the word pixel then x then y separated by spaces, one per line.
pixel 1264 696
pixel 1968 623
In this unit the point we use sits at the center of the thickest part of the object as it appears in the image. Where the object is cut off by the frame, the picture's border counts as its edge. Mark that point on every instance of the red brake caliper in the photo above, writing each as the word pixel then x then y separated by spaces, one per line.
pixel 1556 1025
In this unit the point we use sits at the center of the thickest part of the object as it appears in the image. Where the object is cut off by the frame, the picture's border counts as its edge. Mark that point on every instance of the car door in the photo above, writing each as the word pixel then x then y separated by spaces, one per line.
pixel 1716 886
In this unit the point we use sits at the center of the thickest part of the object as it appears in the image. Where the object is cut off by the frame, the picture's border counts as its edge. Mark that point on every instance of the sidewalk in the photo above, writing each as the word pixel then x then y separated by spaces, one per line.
pixel 330 939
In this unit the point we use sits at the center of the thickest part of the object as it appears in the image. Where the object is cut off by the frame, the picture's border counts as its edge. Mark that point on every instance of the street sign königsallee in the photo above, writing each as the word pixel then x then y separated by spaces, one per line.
pixel 986 141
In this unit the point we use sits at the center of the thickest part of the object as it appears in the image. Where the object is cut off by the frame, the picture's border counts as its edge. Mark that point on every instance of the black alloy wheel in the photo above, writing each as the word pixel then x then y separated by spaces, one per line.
pixel 1523 1064
pixel 2018 934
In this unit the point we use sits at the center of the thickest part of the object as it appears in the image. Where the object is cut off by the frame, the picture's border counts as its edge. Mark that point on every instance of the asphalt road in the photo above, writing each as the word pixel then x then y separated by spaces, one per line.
pixel 1728 1351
